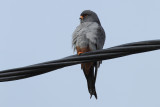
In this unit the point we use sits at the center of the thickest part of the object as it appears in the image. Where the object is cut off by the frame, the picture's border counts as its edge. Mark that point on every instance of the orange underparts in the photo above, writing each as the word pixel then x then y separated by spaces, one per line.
pixel 85 66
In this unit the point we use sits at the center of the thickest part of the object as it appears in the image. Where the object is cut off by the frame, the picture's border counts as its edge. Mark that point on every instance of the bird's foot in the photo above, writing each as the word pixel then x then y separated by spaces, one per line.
pixel 80 53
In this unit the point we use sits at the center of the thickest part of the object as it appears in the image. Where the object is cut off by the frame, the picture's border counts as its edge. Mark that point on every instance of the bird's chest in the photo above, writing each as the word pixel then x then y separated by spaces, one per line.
pixel 84 34
pixel 82 40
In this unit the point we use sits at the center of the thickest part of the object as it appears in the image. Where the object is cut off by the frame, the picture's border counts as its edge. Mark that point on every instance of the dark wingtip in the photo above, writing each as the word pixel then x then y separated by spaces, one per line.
pixel 90 96
pixel 95 94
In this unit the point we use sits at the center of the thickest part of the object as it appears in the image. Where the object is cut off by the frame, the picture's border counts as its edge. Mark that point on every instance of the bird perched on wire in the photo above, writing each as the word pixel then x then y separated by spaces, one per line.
pixel 89 36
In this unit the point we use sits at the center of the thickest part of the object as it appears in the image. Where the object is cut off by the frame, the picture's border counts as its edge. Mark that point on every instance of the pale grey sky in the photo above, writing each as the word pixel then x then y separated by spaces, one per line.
pixel 34 31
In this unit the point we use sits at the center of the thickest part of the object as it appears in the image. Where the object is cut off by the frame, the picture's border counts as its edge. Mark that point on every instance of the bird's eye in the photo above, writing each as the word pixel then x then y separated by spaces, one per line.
pixel 85 15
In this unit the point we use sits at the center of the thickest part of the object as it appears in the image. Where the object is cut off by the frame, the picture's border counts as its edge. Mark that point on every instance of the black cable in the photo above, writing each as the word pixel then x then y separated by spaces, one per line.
pixel 105 54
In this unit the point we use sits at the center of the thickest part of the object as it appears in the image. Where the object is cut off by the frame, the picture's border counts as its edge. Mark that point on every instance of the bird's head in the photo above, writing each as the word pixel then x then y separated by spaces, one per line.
pixel 89 16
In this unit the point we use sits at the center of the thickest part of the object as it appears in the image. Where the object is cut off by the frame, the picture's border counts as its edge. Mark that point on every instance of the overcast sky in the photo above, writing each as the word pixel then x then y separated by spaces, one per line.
pixel 34 31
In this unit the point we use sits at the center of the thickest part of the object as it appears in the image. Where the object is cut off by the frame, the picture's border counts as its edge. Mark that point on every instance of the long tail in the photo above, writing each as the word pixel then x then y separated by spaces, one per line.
pixel 91 78
pixel 91 83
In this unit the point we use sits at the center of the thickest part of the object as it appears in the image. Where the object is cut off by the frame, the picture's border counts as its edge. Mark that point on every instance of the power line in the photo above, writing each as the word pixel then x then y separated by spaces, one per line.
pixel 105 54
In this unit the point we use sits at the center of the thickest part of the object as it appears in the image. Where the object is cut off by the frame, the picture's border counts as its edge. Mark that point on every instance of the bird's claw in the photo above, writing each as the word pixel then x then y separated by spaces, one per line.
pixel 80 53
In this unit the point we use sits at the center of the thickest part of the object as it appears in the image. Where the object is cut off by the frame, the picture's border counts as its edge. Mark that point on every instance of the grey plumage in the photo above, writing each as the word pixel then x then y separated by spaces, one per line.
pixel 90 34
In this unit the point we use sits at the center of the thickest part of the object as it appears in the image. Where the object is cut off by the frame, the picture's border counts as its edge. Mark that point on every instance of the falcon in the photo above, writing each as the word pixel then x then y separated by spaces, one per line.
pixel 89 36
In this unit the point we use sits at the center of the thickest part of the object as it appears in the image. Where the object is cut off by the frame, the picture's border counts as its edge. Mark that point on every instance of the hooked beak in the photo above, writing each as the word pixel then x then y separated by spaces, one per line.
pixel 81 17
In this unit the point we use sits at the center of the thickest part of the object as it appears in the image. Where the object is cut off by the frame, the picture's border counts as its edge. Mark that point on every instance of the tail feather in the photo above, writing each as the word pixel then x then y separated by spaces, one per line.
pixel 91 78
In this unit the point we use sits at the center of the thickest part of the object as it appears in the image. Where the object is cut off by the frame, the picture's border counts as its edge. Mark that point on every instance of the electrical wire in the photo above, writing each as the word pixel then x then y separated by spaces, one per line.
pixel 104 54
